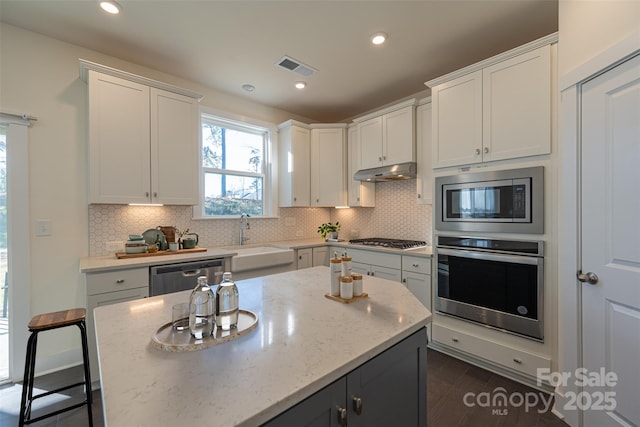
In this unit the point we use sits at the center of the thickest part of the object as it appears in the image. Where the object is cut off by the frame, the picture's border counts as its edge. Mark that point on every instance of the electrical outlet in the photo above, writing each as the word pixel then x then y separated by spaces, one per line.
pixel 43 227
pixel 299 233
pixel 114 246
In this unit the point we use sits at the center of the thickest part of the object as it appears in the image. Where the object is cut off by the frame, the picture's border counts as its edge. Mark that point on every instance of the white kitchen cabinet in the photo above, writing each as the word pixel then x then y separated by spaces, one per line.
pixel 498 109
pixel 424 178
pixel 143 143
pixel 328 165
pixel 378 264
pixel 513 359
pixel 312 257
pixel 294 178
pixel 360 193
pixel 387 137
pixel 304 258
pixel 416 276
pixel 111 287
pixel 321 256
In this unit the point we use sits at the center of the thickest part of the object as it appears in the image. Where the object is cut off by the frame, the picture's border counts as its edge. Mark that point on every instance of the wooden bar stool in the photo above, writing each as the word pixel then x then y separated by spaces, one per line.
pixel 45 322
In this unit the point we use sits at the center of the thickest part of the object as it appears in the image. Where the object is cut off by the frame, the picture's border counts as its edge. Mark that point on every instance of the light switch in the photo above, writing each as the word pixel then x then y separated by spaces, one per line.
pixel 43 227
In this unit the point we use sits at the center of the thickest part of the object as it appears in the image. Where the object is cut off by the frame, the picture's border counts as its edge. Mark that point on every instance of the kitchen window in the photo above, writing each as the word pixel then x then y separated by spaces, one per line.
pixel 234 158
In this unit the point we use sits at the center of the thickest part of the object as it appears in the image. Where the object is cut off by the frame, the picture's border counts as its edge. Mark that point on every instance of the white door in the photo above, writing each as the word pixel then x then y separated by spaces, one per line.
pixel 611 244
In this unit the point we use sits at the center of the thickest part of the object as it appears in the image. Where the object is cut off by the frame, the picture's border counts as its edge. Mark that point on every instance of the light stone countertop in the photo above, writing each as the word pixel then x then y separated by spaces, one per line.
pixel 110 262
pixel 302 343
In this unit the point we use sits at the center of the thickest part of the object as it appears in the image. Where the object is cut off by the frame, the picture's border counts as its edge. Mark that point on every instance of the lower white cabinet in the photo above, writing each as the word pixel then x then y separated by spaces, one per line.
pixel 514 359
pixel 416 275
pixel 378 264
pixel 111 287
pixel 304 258
pixel 312 257
pixel 388 390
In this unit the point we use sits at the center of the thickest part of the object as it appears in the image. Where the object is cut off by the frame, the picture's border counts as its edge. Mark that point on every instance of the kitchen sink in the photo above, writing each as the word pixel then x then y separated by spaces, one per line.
pixel 252 258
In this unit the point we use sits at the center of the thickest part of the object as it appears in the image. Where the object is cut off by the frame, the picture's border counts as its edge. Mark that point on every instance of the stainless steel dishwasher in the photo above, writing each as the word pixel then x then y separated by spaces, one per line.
pixel 165 279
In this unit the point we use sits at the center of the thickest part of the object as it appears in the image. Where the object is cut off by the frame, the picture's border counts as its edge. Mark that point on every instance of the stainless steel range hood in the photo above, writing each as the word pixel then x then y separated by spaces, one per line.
pixel 387 173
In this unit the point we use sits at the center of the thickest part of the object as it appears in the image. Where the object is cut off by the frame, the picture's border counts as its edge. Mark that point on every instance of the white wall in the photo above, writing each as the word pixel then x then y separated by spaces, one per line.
pixel 588 27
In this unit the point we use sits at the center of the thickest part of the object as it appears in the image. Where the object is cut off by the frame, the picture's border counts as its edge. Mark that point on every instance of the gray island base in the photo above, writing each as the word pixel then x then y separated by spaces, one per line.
pixel 310 360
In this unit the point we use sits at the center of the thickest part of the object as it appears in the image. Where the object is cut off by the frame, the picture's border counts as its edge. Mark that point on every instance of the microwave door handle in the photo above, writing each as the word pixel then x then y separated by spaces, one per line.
pixel 485 256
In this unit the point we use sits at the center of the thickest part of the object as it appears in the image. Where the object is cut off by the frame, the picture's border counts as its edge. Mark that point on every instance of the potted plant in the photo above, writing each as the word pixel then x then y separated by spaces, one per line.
pixel 329 228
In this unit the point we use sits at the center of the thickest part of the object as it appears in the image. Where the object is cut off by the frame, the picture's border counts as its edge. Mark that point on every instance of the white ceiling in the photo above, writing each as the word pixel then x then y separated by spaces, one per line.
pixel 225 44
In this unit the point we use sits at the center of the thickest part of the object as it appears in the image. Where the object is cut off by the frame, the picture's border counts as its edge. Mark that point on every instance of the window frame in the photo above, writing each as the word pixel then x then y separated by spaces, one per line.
pixel 269 166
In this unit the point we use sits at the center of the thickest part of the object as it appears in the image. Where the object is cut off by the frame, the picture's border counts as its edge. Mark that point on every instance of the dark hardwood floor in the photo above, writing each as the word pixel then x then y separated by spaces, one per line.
pixel 448 381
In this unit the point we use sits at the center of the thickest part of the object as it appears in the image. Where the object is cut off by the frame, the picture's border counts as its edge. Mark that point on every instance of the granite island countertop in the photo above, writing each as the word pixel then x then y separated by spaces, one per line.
pixel 303 342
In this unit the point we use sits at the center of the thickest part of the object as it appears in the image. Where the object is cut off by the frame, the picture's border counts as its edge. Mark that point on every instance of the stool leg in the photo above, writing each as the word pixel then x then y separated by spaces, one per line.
pixel 87 371
pixel 27 383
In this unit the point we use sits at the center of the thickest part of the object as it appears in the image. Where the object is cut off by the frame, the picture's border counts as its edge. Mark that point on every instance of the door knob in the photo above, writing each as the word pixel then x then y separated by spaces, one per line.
pixel 590 278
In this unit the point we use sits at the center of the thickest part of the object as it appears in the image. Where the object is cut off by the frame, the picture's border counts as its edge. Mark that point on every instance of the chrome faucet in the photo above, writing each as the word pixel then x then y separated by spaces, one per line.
pixel 244 224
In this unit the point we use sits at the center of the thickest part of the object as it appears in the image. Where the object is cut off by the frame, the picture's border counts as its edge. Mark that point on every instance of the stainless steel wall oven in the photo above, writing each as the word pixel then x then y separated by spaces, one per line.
pixel 498 283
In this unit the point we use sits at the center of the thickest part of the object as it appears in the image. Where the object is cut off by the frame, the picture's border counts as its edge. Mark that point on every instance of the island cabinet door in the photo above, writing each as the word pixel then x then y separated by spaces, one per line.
pixel 391 389
pixel 323 409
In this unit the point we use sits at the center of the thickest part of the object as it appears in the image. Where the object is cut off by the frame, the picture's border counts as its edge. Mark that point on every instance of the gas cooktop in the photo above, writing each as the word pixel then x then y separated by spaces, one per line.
pixel 389 243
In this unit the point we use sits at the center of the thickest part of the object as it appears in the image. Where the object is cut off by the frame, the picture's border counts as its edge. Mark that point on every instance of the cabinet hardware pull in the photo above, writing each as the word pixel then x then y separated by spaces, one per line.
pixel 342 416
pixel 419 196
pixel 486 150
pixel 454 339
pixel 155 194
pixel 120 281
pixel 146 194
pixel 477 151
pixel 518 361
pixel 384 157
pixel 404 280
pixel 379 159
pixel 357 405
pixel 416 265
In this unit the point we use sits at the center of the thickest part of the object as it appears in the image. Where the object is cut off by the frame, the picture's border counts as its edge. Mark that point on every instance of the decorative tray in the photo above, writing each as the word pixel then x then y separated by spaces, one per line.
pixel 347 301
pixel 121 255
pixel 168 339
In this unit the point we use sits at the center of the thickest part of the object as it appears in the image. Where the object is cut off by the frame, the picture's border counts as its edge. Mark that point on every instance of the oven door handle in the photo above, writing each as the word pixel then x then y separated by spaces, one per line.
pixel 485 256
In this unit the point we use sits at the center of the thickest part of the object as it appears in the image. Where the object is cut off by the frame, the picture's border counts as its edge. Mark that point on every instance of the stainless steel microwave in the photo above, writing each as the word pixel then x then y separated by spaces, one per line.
pixel 507 201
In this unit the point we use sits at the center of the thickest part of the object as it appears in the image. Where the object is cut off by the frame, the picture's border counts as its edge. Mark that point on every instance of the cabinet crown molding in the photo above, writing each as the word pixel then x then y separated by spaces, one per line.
pixel 85 66
pixel 535 44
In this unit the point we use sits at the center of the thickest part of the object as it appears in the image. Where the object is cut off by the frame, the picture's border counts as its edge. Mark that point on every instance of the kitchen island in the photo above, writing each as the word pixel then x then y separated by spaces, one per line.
pixel 303 343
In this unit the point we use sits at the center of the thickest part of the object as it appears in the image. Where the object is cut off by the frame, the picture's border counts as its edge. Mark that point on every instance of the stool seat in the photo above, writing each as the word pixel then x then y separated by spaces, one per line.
pixel 57 319
pixel 45 322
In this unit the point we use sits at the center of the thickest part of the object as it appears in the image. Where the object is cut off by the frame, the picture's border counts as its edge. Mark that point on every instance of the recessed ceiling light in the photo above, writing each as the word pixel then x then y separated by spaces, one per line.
pixel 379 38
pixel 249 88
pixel 110 6
pixel 300 85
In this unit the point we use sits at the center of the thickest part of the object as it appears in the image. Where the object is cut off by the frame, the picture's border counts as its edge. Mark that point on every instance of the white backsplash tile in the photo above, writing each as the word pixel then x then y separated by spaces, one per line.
pixel 396 215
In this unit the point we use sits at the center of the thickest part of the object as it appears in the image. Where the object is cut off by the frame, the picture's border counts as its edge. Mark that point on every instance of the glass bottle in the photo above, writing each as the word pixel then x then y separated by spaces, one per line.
pixel 227 300
pixel 201 309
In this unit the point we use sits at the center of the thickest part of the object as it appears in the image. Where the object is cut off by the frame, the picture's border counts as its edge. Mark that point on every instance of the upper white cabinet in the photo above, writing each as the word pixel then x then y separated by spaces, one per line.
pixel 328 161
pixel 424 178
pixel 387 137
pixel 294 164
pixel 143 140
pixel 495 110
pixel 360 193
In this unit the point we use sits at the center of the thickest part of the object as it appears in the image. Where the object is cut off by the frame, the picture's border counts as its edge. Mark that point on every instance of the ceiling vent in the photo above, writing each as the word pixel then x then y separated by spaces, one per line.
pixel 296 66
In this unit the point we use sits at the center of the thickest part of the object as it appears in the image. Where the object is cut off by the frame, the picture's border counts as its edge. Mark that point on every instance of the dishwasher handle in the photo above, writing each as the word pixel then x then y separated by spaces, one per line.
pixel 191 273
